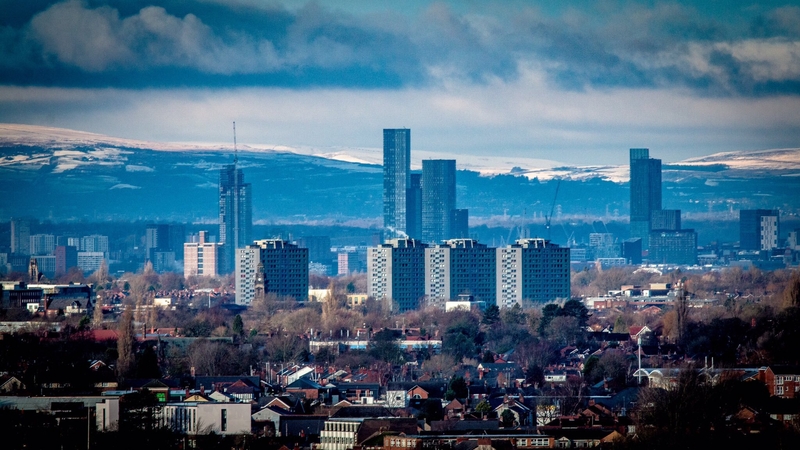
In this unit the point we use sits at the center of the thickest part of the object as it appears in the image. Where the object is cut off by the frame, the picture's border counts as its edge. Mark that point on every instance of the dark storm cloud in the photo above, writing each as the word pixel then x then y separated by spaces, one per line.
pixel 181 43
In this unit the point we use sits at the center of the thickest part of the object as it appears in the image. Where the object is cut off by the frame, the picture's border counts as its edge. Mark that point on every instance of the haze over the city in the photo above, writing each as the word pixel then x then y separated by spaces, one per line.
pixel 579 82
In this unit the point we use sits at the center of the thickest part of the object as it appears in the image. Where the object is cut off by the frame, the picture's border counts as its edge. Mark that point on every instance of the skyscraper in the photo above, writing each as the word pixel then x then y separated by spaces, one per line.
pixel 272 266
pixel 235 214
pixel 396 181
pixel 396 273
pixel 645 192
pixel 20 236
pixel 753 234
pixel 438 198
pixel 414 207
pixel 532 270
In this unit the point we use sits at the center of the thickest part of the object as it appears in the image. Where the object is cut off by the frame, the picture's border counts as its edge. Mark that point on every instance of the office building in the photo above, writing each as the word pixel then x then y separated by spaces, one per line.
pixel 319 248
pixel 414 207
pixel 750 227
pixel 164 238
pixel 396 181
pixel 665 219
pixel 438 198
pixel 632 251
pixel 769 232
pixel 396 273
pixel 66 258
pixel 673 247
pixel 459 224
pixel 645 185
pixel 42 244
pixel 460 267
pixel 271 266
pixel 20 236
pixel 235 214
pixel 201 258
pixel 532 271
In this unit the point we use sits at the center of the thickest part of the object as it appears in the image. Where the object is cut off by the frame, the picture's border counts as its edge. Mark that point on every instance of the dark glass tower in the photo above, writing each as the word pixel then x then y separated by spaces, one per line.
pixel 438 198
pixel 645 193
pixel 750 227
pixel 414 207
pixel 235 214
pixel 396 181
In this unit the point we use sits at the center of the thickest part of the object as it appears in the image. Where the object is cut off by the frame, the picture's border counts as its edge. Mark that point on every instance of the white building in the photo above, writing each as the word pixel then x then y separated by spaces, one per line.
pixel 769 232
pixel 88 262
pixel 42 244
pixel 339 434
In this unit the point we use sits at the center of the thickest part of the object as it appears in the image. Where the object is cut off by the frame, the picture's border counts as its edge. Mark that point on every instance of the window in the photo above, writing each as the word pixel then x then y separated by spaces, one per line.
pixel 223 423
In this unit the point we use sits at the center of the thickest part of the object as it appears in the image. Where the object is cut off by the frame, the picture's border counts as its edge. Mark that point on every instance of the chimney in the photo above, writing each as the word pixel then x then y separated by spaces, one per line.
pixel 202 390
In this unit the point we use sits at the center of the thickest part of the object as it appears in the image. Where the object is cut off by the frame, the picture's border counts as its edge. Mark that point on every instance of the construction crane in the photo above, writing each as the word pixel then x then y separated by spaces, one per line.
pixel 552 209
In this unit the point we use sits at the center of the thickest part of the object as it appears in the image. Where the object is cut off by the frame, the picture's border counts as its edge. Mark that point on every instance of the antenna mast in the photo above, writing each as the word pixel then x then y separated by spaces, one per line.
pixel 235 152
pixel 552 210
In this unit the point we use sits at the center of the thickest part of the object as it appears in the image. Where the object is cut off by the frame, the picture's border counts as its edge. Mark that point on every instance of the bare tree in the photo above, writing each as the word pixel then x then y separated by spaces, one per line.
pixel 125 343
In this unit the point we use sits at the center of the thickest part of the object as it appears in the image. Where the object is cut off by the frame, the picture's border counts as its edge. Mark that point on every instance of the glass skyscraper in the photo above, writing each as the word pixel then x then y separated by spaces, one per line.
pixel 396 181
pixel 235 214
pixel 645 192
pixel 438 198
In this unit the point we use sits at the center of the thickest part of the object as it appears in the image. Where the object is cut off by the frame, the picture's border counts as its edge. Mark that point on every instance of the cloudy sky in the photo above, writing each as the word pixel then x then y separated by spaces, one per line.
pixel 577 81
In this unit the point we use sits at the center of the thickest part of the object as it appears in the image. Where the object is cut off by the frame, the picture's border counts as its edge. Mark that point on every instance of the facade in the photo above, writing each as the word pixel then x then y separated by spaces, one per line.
pixel 46 265
pixel 42 244
pixel 164 238
pixel 414 207
pixel 750 227
pixel 94 243
pixel 396 181
pixel 438 198
pixel 319 248
pixel 645 192
pixel 271 266
pixel 602 245
pixel 339 433
pixel 89 262
pixel 665 219
pixel 235 214
pixel 66 258
pixel 460 267
pixel 532 270
pixel 347 263
pixel 396 273
pixel 673 247
pixel 769 232
pixel 201 258
pixel 459 224
pixel 632 251
pixel 20 236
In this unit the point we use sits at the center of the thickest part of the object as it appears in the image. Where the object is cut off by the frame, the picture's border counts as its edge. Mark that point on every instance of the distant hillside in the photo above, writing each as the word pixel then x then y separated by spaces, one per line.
pixel 63 175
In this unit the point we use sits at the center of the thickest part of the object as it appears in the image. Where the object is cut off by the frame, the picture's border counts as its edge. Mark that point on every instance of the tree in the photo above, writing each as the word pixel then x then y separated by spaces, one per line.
pixel 97 314
pixel 491 315
pixel 575 308
pixel 384 347
pixel 459 387
pixel 483 407
pixel 125 358
pixel 549 312
pixel 791 294
pixel 238 325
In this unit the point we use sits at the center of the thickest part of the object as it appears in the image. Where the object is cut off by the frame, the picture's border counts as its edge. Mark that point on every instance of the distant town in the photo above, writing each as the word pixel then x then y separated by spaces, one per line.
pixel 414 335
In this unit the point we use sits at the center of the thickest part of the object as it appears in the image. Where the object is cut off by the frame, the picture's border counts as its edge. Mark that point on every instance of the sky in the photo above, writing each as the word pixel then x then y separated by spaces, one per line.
pixel 578 82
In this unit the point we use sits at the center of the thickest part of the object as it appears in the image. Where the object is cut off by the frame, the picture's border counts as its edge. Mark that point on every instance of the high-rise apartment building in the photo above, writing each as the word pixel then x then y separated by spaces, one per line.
pixel 271 266
pixel 94 243
pixel 235 214
pixel 396 273
pixel 42 244
pixel 460 266
pixel 769 232
pixel 751 228
pixel 438 198
pixel 20 236
pixel 532 270
pixel 396 181
pixel 645 192
pixel 347 263
pixel 201 258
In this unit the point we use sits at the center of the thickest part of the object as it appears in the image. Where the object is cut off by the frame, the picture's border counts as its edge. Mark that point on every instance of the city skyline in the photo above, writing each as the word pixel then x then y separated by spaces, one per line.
pixel 570 83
